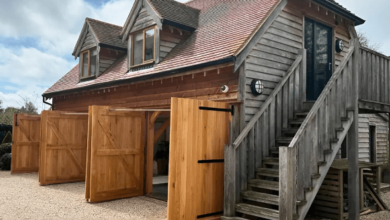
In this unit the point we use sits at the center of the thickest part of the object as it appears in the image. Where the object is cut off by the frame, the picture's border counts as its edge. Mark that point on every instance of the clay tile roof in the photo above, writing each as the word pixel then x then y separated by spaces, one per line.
pixel 106 33
pixel 224 28
pixel 177 12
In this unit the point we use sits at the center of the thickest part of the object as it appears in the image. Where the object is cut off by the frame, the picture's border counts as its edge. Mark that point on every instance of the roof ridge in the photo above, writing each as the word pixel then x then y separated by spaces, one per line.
pixel 87 18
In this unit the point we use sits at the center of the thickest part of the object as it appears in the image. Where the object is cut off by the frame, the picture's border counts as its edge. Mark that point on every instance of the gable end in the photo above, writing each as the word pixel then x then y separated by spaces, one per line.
pixel 87 40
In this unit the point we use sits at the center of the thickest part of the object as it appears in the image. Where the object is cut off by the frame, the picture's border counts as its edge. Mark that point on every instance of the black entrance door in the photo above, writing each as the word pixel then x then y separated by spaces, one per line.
pixel 318 44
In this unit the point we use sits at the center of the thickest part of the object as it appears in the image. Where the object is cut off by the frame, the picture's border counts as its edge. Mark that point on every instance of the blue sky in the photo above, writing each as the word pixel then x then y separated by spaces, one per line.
pixel 37 38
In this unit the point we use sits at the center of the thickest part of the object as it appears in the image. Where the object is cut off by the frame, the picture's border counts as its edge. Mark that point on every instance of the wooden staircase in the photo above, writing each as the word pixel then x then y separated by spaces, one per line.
pixel 262 197
pixel 286 152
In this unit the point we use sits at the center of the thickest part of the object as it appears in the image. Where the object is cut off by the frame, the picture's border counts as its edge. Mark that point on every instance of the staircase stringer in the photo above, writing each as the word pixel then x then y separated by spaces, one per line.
pixel 323 170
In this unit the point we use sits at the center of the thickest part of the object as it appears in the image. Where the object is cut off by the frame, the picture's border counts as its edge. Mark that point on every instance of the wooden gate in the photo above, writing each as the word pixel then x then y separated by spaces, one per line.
pixel 199 132
pixel 63 147
pixel 115 158
pixel 25 148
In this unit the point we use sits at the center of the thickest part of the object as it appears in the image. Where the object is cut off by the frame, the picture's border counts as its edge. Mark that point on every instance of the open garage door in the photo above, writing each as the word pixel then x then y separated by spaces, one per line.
pixel 25 148
pixel 63 147
pixel 115 158
pixel 199 132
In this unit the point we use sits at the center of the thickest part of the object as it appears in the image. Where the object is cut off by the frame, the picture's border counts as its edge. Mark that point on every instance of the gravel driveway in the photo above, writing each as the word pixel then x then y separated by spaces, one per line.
pixel 380 215
pixel 21 197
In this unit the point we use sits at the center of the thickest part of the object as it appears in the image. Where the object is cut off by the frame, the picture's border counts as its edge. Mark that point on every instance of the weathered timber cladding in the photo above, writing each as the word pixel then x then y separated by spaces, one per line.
pixel 156 93
pixel 143 20
pixel 382 144
pixel 278 48
pixel 89 41
pixel 272 56
pixel 169 38
pixel 107 57
pixel 374 77
pixel 340 30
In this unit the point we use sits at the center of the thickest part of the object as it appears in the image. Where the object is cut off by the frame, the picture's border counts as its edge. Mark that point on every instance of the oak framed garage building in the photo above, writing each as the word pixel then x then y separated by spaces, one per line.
pixel 254 97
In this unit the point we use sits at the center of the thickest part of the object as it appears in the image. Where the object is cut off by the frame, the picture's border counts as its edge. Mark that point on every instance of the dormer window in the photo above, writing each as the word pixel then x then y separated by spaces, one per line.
pixel 88 63
pixel 143 47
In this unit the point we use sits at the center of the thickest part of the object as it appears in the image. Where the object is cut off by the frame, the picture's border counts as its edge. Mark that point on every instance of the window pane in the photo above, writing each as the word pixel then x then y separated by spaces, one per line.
pixel 138 46
pixel 93 62
pixel 85 64
pixel 149 44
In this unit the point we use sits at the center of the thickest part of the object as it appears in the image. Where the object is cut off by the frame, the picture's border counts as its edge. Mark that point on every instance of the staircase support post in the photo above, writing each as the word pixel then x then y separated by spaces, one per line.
pixel 353 142
pixel 287 164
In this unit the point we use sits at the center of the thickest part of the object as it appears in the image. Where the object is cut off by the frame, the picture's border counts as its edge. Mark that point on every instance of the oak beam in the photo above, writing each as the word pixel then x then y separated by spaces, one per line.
pixel 163 127
pixel 150 152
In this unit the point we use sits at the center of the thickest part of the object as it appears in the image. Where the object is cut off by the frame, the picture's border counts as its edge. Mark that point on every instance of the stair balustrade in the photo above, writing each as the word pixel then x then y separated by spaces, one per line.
pixel 305 162
pixel 254 143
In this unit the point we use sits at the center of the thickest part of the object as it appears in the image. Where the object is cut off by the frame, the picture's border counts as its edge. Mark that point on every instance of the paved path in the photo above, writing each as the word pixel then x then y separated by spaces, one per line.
pixel 21 197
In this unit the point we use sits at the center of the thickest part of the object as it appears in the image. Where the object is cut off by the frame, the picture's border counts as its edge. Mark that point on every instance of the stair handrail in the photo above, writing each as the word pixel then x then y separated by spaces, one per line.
pixel 266 104
pixel 320 99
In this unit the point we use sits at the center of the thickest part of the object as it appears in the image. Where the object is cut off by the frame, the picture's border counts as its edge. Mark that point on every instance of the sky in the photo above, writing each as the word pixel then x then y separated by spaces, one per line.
pixel 37 39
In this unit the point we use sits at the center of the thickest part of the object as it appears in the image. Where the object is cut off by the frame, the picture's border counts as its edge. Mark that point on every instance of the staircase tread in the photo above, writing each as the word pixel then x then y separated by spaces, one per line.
pixel 271 159
pixel 257 211
pixel 290 130
pixel 268 170
pixel 260 197
pixel 264 184
pixel 302 113
pixel 284 139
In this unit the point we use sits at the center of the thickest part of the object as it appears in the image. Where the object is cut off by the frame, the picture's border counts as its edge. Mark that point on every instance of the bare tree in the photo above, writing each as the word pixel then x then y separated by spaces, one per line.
pixel 368 43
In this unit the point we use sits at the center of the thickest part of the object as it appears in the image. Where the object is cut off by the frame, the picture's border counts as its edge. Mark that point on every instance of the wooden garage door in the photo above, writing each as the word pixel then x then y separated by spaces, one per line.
pixel 63 147
pixel 115 154
pixel 25 149
pixel 199 132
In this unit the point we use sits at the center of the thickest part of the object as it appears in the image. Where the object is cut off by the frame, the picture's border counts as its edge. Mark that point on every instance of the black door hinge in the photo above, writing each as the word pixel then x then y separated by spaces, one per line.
pixel 231 110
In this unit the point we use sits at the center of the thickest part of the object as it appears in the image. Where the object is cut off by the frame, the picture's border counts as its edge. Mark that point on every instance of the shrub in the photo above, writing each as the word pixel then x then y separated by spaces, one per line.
pixel 5 149
pixel 5 162
pixel 7 138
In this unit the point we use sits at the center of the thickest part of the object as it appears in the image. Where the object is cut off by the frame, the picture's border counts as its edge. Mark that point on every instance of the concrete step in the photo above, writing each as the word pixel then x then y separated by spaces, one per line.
pixel 257 211
pixel 260 197
pixel 264 184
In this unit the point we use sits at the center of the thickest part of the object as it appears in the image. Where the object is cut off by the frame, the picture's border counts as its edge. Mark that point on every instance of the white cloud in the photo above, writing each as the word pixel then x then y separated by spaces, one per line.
pixel 28 70
pixel 56 24
pixel 25 66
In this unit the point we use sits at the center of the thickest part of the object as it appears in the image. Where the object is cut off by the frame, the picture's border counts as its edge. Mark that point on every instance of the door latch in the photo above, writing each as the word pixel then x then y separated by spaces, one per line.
pixel 330 66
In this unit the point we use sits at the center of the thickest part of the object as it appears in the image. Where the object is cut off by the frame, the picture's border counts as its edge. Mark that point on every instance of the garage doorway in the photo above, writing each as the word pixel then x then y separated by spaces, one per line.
pixel 161 157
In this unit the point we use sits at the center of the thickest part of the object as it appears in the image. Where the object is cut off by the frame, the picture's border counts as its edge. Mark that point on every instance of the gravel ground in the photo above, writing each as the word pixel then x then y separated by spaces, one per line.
pixel 21 197
pixel 380 215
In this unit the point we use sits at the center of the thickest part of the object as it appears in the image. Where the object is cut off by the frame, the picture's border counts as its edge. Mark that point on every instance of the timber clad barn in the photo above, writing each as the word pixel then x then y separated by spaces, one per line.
pixel 253 99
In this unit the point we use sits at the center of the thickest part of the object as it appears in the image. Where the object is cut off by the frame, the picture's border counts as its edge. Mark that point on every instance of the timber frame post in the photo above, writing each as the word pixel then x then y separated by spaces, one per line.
pixel 150 151
pixel 353 135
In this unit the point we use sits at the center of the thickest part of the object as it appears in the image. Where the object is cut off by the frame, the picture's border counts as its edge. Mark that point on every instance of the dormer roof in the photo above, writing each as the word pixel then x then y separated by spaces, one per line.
pixel 173 11
pixel 159 12
pixel 102 33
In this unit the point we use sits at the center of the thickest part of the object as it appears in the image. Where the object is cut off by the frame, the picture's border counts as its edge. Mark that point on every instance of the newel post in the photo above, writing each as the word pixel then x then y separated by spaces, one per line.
pixel 229 200
pixel 287 173
pixel 353 152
